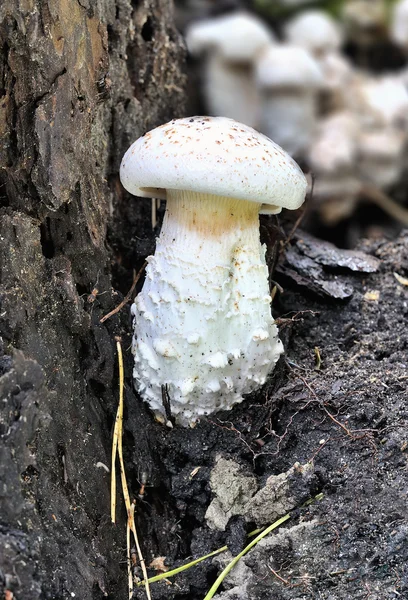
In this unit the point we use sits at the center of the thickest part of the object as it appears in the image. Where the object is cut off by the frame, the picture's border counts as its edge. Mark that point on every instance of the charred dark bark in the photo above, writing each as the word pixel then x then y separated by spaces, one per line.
pixel 79 81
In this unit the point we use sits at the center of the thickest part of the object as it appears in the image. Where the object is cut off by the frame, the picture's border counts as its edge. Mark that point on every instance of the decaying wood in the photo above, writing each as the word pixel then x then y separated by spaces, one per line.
pixel 79 81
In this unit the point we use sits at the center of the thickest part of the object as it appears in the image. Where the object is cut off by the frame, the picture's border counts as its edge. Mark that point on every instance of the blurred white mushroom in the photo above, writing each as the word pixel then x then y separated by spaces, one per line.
pixel 403 77
pixel 338 74
pixel 399 25
pixel 332 158
pixel 358 155
pixel 318 33
pixel 380 101
pixel 289 79
pixel 315 31
pixel 230 44
pixel 334 149
pixel 381 156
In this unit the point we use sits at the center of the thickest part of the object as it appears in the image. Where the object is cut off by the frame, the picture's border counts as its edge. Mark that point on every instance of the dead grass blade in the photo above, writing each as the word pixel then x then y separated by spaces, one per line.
pixel 117 448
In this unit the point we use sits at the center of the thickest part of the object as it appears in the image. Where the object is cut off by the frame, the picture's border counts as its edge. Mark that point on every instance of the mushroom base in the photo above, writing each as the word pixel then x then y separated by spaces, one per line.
pixel 203 323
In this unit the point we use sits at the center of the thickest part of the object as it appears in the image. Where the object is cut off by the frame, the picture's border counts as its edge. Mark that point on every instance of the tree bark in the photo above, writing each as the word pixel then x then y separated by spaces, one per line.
pixel 79 81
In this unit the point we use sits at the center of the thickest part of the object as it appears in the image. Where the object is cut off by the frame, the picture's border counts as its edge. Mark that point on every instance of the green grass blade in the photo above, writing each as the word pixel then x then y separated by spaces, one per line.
pixel 168 574
pixel 234 561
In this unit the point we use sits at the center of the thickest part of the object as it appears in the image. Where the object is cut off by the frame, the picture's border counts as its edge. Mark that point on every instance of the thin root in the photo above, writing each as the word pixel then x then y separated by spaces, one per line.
pixel 127 297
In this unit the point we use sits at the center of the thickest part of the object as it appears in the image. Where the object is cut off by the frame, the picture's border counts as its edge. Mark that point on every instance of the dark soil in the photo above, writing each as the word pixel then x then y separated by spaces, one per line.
pixel 348 418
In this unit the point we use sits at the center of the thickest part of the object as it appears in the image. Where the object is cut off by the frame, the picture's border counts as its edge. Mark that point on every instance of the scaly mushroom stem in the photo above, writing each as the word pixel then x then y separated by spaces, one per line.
pixel 203 322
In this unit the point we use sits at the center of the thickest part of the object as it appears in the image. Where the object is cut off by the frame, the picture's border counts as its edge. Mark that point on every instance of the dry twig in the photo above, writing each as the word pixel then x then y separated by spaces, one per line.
pixel 127 297
pixel 388 205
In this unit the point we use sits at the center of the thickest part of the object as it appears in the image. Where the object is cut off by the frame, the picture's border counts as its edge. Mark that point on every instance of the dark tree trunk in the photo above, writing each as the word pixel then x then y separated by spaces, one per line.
pixel 79 81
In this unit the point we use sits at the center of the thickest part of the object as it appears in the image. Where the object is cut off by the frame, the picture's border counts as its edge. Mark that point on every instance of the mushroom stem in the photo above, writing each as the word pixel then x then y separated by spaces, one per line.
pixel 206 291
pixel 230 91
pixel 290 119
pixel 209 227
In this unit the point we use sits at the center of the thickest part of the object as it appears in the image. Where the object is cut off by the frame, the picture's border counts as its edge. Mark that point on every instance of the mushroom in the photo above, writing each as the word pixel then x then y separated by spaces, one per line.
pixel 315 31
pixel 289 79
pixel 202 322
pixel 318 33
pixel 231 43
pixel 381 156
pixel 399 25
pixel 335 147
pixel 381 104
pixel 380 101
pixel 332 158
pixel 338 75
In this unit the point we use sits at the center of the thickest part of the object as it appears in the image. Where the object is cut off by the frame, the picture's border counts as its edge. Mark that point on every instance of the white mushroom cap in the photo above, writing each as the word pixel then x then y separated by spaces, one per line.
pixel 237 37
pixel 287 66
pixel 315 31
pixel 399 24
pixel 380 101
pixel 212 155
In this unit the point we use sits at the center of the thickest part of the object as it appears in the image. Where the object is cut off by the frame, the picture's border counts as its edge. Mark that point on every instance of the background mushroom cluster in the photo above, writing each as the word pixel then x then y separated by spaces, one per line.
pixel 328 81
